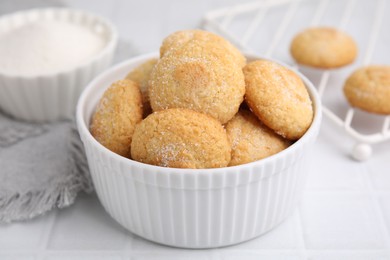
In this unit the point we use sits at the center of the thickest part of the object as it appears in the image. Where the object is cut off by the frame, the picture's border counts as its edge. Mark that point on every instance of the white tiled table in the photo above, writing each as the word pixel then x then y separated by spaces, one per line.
pixel 344 214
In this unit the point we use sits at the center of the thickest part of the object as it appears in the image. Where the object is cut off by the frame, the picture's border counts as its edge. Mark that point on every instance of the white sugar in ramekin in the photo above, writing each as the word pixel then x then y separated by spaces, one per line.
pixel 53 96
pixel 194 208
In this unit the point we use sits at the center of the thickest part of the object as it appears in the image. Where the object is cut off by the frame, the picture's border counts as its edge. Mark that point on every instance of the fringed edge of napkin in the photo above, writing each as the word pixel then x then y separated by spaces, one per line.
pixel 17 207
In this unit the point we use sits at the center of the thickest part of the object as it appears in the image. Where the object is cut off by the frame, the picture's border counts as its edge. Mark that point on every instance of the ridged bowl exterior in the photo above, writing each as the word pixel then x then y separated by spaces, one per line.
pixel 194 208
pixel 53 96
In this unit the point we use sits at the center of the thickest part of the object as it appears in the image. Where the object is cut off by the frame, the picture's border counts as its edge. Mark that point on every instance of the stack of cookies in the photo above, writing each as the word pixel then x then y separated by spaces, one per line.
pixel 201 105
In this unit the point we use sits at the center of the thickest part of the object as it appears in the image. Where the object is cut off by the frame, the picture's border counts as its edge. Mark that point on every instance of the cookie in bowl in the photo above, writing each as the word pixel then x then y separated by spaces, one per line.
pixel 181 138
pixel 141 76
pixel 213 42
pixel 119 110
pixel 251 140
pixel 278 97
pixel 193 77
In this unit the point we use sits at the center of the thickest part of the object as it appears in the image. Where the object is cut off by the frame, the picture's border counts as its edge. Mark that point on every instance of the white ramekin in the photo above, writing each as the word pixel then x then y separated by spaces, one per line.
pixel 53 96
pixel 194 208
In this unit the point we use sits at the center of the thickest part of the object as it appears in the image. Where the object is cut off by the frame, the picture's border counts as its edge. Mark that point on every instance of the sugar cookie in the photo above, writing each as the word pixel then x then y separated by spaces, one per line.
pixel 368 88
pixel 192 78
pixel 141 75
pixel 251 140
pixel 117 113
pixel 278 97
pixel 181 138
pixel 323 47
pixel 211 41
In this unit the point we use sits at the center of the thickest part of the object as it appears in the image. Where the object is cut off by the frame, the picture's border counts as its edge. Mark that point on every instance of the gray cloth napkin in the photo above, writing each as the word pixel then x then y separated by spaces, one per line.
pixel 42 166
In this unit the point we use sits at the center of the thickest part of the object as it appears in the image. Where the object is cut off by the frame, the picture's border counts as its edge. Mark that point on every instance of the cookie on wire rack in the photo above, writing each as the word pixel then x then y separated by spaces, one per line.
pixel 324 48
pixel 368 88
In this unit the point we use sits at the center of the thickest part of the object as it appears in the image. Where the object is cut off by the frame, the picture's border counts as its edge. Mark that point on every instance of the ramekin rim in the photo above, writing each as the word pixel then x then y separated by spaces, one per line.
pixel 85 133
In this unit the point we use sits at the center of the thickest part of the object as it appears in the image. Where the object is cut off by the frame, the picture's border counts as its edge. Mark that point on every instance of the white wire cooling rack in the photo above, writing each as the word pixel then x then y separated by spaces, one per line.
pixel 267 28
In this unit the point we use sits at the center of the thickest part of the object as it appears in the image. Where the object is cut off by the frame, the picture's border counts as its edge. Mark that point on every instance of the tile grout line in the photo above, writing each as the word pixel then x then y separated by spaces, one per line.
pixel 372 193
pixel 299 225
pixel 319 190
pixel 41 250
pixel 127 247
pixel 166 249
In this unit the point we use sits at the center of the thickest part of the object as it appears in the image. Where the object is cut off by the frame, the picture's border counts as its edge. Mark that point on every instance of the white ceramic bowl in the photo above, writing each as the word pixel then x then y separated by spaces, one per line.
pixel 194 208
pixel 53 96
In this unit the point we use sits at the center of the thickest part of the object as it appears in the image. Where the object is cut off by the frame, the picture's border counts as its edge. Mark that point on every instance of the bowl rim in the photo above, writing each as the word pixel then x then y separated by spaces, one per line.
pixel 107 48
pixel 86 136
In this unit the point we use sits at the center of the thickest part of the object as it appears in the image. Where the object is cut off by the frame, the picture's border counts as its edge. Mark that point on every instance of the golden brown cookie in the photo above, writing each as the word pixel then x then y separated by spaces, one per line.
pixel 117 113
pixel 192 78
pixel 251 140
pixel 211 41
pixel 278 97
pixel 181 138
pixel 141 75
pixel 368 88
pixel 323 47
